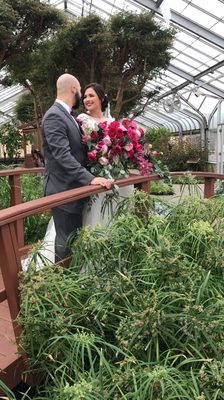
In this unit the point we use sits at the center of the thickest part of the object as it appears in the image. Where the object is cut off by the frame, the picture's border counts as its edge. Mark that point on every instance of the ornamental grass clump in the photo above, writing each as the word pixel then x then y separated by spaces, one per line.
pixel 138 314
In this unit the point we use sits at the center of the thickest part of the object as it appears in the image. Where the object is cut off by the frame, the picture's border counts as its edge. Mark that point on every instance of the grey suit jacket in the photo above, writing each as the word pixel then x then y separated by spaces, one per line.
pixel 65 155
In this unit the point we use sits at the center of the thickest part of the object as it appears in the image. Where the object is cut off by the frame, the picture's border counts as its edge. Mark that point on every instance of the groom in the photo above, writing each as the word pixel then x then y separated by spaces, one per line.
pixel 65 160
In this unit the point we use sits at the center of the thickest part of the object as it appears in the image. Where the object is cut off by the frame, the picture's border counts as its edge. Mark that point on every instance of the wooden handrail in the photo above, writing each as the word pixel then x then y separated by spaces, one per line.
pixel 20 171
pixel 46 203
pixel 33 207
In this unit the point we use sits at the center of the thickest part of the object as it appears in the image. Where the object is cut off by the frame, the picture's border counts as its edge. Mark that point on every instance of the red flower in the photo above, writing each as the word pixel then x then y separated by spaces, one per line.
pixel 92 156
pixel 138 147
pixel 114 125
pixel 130 153
pixel 120 133
pixel 117 149
pixel 94 135
pixel 112 133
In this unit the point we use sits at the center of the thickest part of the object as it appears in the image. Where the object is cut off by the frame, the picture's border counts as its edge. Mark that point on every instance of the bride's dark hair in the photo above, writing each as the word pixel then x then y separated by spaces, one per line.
pixel 100 93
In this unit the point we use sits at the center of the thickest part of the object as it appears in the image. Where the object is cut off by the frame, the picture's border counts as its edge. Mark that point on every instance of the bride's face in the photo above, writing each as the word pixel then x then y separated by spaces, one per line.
pixel 91 101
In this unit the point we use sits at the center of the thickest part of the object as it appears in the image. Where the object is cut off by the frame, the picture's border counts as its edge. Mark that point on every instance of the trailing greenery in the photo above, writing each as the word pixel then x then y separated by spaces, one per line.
pixel 138 314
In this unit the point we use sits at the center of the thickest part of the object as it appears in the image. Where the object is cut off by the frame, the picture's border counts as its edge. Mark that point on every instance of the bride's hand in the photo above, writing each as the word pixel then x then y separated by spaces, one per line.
pixel 102 182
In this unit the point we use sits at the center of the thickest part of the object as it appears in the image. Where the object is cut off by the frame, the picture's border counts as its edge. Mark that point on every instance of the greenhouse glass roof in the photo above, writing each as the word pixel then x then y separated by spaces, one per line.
pixel 191 87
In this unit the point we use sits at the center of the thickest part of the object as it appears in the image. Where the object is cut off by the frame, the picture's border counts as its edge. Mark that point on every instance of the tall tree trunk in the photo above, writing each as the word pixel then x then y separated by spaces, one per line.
pixel 37 139
pixel 119 98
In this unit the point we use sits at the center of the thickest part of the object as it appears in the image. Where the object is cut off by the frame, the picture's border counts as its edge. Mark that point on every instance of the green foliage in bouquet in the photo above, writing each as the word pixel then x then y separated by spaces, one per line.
pixel 138 314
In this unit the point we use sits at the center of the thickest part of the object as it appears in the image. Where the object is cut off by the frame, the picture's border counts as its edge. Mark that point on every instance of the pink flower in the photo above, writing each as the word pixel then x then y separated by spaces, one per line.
pixel 128 146
pixel 122 127
pixel 85 138
pixel 129 124
pixel 155 153
pixel 106 140
pixel 132 134
pixel 104 149
pixel 103 161
pixel 102 125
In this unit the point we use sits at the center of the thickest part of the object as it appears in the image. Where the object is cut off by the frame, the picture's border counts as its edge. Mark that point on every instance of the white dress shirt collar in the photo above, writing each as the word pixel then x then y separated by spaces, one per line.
pixel 64 105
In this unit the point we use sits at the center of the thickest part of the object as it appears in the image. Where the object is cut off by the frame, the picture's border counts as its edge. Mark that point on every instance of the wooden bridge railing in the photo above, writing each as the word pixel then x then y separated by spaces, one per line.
pixel 11 223
pixel 16 198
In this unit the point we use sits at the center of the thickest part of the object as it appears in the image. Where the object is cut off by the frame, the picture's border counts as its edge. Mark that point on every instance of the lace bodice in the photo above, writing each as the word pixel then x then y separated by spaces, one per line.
pixel 90 122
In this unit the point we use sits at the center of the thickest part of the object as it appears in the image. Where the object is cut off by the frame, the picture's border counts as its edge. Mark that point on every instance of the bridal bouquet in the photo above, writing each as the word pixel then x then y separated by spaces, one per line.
pixel 116 147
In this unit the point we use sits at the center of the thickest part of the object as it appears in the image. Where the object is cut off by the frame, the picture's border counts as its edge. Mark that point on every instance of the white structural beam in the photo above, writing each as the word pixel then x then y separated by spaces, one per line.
pixel 165 117
pixel 186 23
pixel 193 79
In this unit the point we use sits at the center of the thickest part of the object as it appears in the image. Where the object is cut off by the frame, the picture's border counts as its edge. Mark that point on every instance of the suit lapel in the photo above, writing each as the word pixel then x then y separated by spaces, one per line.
pixel 68 115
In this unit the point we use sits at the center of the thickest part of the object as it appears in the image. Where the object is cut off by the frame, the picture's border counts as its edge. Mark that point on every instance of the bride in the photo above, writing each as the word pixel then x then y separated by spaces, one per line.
pixel 97 110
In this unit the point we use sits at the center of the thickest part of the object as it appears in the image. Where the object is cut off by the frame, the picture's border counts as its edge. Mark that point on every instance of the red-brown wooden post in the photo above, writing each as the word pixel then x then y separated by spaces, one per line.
pixel 144 186
pixel 209 188
pixel 10 266
pixel 16 198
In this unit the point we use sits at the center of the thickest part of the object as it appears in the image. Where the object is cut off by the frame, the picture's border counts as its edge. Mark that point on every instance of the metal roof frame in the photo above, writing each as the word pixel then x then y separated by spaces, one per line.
pixel 184 23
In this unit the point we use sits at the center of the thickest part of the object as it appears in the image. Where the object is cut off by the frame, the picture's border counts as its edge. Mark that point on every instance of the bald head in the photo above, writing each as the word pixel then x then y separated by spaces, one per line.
pixel 67 87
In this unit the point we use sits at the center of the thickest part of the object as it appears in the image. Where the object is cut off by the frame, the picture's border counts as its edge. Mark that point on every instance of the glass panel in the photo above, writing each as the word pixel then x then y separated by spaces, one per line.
pixel 196 54
pixel 218 28
pixel 198 16
pixel 210 50
pixel 214 7
pixel 181 65
pixel 189 61
pixel 184 37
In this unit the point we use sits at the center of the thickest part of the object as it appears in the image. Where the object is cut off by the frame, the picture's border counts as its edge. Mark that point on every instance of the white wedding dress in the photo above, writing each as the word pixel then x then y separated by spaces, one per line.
pixel 91 216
